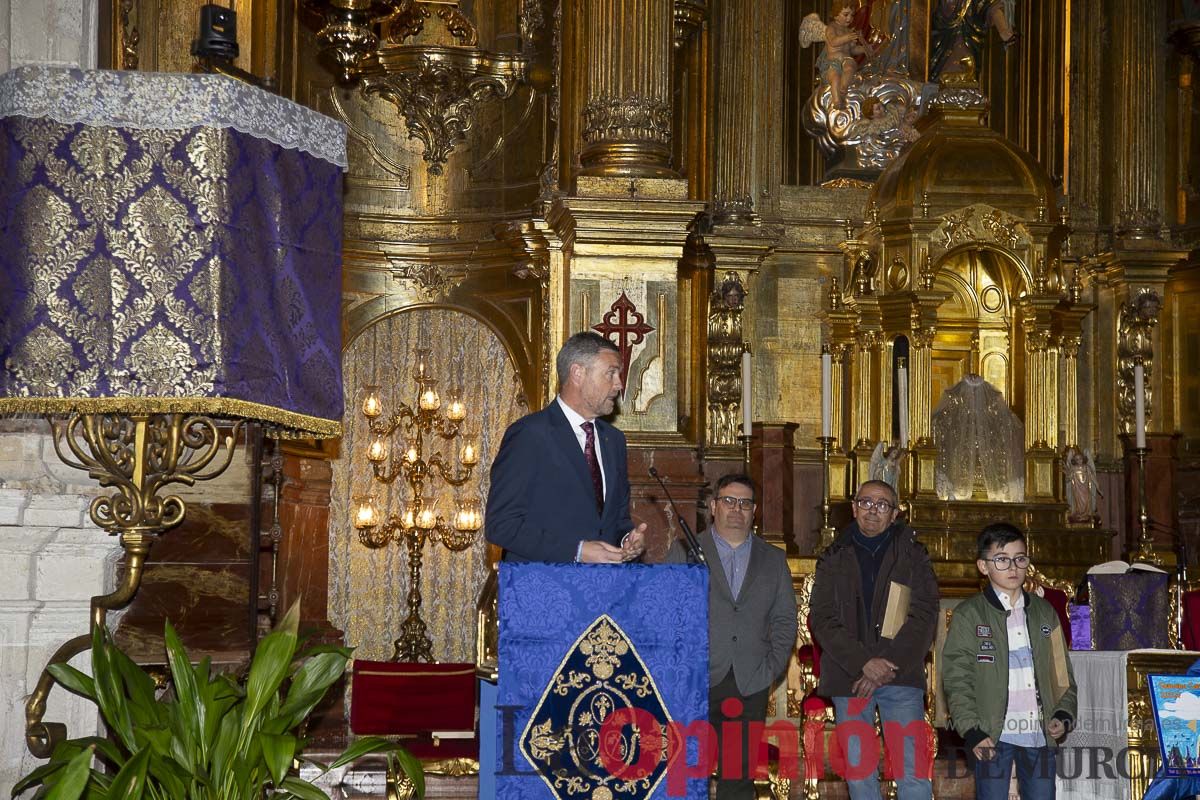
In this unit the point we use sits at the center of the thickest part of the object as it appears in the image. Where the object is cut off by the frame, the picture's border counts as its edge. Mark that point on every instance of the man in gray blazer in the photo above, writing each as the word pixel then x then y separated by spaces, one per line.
pixel 751 621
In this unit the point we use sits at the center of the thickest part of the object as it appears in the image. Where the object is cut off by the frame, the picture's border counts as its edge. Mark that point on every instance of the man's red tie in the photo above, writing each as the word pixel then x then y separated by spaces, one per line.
pixel 589 454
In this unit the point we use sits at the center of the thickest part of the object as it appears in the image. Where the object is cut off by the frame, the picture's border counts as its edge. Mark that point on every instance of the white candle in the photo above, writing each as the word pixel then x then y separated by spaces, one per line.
pixel 747 424
pixel 826 395
pixel 902 393
pixel 1139 404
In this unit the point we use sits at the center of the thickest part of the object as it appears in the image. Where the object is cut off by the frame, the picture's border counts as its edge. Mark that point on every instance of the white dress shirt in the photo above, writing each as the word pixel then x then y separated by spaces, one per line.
pixel 576 422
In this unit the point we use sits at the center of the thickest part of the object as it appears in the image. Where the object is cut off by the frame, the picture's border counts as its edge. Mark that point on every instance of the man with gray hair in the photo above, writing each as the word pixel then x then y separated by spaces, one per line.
pixel 560 483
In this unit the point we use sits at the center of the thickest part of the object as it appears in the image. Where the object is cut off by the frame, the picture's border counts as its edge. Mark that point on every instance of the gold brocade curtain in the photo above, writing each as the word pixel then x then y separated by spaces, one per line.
pixel 367 588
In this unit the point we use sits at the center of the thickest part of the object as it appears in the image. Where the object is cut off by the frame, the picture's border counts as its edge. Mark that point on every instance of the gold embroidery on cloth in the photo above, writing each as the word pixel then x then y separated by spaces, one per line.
pixel 567 752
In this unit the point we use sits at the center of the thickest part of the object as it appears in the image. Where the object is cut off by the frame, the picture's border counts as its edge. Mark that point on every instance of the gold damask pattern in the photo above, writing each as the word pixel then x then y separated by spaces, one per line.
pixel 367 587
pixel 141 270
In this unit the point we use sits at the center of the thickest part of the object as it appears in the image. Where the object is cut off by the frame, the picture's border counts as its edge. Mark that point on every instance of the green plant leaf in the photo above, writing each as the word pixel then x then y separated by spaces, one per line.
pixel 278 752
pixel 412 768
pixel 309 685
pixel 105 749
pixel 268 668
pixel 38 776
pixel 139 687
pixel 74 680
pixel 130 782
pixel 74 778
pixel 361 747
pixel 189 709
pixel 303 789
pixel 109 691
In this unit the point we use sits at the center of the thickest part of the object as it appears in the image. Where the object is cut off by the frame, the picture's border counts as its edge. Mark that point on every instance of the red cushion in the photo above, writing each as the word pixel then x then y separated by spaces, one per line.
pixel 389 698
pixel 1191 620
pixel 1059 599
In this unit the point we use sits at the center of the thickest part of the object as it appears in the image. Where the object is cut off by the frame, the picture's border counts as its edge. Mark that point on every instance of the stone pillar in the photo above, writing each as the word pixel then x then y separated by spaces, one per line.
pixel 55 560
pixel 1140 96
pixel 627 114
pixel 772 467
pixel 61 32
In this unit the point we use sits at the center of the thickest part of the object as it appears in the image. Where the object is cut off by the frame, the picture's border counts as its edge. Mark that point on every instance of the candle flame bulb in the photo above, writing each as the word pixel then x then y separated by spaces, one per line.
pixel 430 400
pixel 372 406
pixel 364 514
pixel 456 412
pixel 469 454
pixel 377 451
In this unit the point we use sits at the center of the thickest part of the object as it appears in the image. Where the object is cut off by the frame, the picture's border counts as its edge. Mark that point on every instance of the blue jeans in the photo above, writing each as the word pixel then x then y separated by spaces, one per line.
pixel 900 706
pixel 1035 773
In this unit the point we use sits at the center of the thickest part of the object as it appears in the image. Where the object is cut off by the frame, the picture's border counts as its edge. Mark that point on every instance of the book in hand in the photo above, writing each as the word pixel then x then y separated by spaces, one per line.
pixel 896 611
pixel 1121 567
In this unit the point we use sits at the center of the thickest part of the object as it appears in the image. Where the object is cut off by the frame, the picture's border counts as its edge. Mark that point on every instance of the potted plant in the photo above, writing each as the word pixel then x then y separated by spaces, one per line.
pixel 212 737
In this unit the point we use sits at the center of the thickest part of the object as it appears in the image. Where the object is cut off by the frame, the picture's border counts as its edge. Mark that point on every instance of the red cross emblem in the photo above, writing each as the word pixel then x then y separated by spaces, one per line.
pixel 630 328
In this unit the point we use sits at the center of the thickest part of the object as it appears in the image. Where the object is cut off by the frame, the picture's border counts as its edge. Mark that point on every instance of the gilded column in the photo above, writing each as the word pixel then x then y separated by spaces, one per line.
pixel 920 387
pixel 748 85
pixel 1041 398
pixel 1068 412
pixel 923 461
pixel 627 114
pixel 863 394
pixel 837 357
pixel 1138 197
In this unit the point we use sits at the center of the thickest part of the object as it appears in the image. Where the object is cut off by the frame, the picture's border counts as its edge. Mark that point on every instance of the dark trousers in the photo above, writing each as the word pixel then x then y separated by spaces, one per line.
pixel 754 708
pixel 1035 773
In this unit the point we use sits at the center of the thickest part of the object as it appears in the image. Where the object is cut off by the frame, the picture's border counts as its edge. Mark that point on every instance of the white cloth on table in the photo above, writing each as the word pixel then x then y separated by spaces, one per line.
pixel 1102 720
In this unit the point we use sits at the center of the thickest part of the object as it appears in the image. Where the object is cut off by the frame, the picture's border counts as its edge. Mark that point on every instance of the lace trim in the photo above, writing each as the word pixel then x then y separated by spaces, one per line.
pixel 169 100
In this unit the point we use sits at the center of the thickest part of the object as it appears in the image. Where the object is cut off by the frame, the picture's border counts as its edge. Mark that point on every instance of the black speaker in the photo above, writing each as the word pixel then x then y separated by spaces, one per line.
pixel 218 33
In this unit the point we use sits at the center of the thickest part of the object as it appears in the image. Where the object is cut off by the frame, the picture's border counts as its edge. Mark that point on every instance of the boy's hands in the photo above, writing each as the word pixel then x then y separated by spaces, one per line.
pixel 1056 728
pixel 986 749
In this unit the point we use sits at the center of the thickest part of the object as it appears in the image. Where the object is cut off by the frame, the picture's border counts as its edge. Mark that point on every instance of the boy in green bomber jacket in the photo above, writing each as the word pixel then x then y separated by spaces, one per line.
pixel 1006 676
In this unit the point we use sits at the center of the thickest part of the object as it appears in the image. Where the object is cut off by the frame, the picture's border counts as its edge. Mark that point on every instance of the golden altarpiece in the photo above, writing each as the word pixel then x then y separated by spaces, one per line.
pixel 522 170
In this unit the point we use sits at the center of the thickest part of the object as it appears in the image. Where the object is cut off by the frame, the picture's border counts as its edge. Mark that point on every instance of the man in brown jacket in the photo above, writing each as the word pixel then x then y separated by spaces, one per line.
pixel 874 611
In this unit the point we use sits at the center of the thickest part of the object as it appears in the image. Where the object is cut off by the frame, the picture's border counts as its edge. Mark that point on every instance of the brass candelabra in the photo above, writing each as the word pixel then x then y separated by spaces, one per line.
pixel 136 455
pixel 827 531
pixel 418 522
pixel 1145 548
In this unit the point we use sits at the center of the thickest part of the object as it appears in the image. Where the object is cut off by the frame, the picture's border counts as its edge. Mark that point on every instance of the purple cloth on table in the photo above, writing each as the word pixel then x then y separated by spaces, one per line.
pixel 177 264
pixel 1081 626
pixel 1134 607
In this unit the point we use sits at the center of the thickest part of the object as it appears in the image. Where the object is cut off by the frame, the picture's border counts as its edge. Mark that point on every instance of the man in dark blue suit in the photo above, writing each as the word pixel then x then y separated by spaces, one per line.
pixel 560 482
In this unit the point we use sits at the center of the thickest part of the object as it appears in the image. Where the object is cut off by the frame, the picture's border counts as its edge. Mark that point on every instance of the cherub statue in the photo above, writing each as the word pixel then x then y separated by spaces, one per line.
pixel 885 464
pixel 837 64
pixel 1082 486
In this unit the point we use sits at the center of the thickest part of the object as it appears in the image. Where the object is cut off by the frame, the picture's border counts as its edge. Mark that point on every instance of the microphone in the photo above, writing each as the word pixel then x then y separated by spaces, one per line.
pixel 695 554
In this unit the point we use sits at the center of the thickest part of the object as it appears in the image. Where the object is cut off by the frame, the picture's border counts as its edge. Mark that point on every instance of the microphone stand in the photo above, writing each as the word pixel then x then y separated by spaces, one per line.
pixel 695 554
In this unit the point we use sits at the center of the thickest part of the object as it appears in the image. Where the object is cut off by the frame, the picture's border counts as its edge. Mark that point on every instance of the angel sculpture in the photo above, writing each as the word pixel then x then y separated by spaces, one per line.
pixel 836 64
pixel 885 464
pixel 1079 471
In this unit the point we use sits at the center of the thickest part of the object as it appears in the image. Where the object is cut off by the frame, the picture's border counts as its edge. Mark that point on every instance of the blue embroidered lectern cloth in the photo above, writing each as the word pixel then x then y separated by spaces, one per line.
pixel 583 649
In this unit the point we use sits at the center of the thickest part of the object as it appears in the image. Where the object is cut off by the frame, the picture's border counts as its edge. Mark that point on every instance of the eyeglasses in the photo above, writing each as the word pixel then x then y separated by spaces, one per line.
pixel 882 506
pixel 729 501
pixel 1004 562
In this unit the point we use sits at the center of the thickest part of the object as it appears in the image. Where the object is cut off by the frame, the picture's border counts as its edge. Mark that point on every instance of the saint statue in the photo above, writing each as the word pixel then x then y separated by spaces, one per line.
pixel 1079 471
pixel 960 28
pixel 885 464
pixel 981 442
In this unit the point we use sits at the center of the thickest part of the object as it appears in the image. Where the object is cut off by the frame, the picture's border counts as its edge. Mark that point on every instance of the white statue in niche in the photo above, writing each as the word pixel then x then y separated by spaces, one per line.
pixel 885 464
pixel 981 444
pixel 1082 485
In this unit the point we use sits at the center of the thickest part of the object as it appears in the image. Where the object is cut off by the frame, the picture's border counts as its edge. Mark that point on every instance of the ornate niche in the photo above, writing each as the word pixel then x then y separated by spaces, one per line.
pixel 956 272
